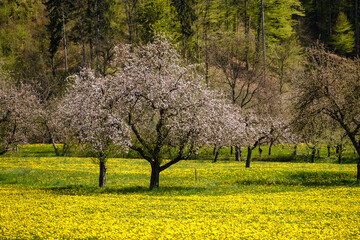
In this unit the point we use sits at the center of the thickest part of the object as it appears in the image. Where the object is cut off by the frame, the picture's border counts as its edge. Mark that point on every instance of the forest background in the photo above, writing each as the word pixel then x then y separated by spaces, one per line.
pixel 48 40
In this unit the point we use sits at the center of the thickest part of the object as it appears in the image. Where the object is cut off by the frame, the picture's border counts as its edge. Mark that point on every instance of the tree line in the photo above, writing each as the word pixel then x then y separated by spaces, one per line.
pixel 166 74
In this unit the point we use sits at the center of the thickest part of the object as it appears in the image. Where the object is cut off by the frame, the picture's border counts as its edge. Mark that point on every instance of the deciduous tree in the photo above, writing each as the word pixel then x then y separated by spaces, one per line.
pixel 165 104
pixel 331 86
pixel 18 113
pixel 89 116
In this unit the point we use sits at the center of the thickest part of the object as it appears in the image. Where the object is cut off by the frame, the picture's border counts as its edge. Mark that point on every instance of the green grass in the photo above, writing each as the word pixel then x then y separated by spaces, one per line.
pixel 280 153
pixel 36 166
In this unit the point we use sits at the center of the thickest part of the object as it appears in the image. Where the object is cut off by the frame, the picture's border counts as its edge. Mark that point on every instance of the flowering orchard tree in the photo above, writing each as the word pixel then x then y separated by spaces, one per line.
pixel 164 103
pixel 18 113
pixel 89 116
pixel 229 128
pixel 257 131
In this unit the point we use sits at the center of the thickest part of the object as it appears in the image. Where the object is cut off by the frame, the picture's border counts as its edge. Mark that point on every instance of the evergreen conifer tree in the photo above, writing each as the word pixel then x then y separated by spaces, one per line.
pixel 343 36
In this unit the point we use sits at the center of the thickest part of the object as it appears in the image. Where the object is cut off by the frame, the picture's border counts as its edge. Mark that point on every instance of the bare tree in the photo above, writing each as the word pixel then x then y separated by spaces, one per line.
pixel 331 86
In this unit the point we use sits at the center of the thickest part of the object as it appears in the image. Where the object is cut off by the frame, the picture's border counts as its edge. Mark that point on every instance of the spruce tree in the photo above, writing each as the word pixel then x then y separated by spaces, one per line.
pixel 343 36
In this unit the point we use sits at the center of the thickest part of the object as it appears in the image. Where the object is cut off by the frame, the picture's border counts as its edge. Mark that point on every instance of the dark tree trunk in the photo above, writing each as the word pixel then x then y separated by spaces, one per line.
pixel 295 150
pixel 102 176
pixel 340 151
pixel 329 150
pixel 270 147
pixel 91 47
pixel 357 27
pixel 282 76
pixel 258 43
pixel 237 153
pixel 53 67
pixel 260 150
pixel 56 149
pixel 83 52
pixel 248 157
pixel 64 41
pixel 155 175
pixel 313 153
pixel 330 17
pixel 358 172
pixel 263 36
pixel 97 35
pixel 231 150
pixel 247 26
pixel 216 155
pixel 65 149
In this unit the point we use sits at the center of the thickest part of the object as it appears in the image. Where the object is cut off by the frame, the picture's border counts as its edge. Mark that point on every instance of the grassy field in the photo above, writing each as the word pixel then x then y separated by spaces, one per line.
pixel 47 197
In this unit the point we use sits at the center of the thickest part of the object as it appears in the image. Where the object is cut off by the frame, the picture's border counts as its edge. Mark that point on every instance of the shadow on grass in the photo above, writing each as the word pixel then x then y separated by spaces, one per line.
pixel 87 190
pixel 306 159
pixel 309 179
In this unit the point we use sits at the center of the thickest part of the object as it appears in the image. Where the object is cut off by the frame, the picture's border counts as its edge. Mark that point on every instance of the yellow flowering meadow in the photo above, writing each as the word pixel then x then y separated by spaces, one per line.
pixel 57 198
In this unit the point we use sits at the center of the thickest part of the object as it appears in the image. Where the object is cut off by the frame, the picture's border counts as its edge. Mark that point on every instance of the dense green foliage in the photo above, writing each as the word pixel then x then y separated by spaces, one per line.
pixel 36 32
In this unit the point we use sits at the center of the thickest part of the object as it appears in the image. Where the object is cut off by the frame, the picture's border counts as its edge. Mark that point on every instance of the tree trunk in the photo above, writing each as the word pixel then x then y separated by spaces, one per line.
pixel 65 149
pixel 247 26
pixel 64 41
pixel 53 68
pixel 97 32
pixel 102 176
pixel 206 25
pixel 313 153
pixel 258 42
pixel 260 150
pixel 83 52
pixel 248 157
pixel 155 175
pixel 356 145
pixel 91 48
pixel 295 150
pixel 56 149
pixel 357 27
pixel 237 153
pixel 263 36
pixel 270 147
pixel 329 150
pixel 340 151
pixel 231 150
pixel 330 17
pixel 216 155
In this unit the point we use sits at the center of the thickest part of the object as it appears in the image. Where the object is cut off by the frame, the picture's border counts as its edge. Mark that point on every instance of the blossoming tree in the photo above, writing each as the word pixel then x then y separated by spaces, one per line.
pixel 88 115
pixel 18 113
pixel 165 104
pixel 154 102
